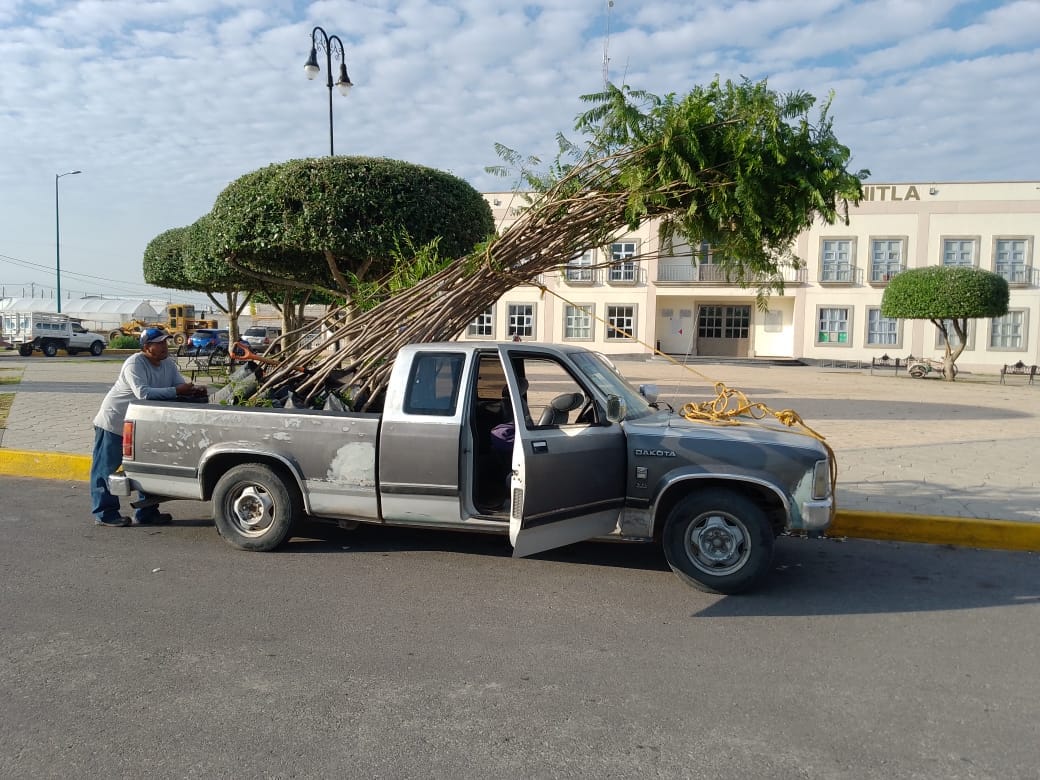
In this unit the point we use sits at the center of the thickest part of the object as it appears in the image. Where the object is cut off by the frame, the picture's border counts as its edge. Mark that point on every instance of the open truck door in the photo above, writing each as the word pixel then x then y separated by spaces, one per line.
pixel 568 464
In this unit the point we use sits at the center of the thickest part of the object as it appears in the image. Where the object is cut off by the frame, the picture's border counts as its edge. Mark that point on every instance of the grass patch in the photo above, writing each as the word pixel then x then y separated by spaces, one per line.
pixel 6 399
pixel 10 376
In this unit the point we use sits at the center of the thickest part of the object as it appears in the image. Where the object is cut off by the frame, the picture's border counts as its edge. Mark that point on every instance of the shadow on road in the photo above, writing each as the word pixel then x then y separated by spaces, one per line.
pixel 809 577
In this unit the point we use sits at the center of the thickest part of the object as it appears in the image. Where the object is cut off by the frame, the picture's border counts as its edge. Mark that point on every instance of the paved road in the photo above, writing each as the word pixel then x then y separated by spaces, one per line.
pixel 391 653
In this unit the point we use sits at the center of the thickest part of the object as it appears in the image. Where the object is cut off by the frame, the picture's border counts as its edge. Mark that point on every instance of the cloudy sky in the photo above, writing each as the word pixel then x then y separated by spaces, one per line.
pixel 162 103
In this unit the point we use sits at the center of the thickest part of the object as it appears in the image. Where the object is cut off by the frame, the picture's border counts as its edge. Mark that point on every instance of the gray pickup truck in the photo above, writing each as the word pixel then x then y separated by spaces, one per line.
pixel 546 444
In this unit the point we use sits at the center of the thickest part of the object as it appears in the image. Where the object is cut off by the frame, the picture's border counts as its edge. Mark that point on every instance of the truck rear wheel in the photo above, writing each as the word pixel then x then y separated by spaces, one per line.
pixel 25 350
pixel 49 348
pixel 254 509
pixel 718 541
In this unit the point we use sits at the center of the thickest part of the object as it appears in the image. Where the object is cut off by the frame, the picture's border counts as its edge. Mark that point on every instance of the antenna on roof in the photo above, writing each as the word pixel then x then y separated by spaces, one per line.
pixel 606 45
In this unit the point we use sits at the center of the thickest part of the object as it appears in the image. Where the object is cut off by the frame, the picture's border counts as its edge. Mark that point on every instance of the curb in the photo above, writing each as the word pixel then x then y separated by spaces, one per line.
pixel 892 527
pixel 934 529
pixel 45 465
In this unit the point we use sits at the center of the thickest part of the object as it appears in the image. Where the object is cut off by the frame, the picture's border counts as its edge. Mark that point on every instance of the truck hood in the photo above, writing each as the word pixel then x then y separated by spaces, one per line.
pixel 670 431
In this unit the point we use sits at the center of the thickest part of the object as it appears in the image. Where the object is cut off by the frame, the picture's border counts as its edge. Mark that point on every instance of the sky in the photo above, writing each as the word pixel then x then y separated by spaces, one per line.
pixel 163 103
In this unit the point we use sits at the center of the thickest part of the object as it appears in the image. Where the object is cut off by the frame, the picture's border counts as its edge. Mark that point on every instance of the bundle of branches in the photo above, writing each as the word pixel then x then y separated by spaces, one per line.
pixel 733 164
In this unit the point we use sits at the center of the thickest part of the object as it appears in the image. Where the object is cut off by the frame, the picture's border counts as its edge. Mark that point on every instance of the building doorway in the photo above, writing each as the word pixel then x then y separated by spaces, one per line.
pixel 723 331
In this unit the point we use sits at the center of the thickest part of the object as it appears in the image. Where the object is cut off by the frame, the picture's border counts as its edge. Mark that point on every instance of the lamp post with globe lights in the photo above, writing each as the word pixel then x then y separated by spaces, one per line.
pixel 320 39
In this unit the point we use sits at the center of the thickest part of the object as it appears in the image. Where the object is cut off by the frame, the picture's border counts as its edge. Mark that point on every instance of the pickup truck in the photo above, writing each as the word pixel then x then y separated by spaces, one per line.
pixel 547 444
pixel 31 331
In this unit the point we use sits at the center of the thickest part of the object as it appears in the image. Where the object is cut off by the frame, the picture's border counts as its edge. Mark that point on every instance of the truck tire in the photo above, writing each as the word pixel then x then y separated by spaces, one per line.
pixel 254 509
pixel 179 339
pixel 97 348
pixel 113 335
pixel 25 350
pixel 49 348
pixel 718 541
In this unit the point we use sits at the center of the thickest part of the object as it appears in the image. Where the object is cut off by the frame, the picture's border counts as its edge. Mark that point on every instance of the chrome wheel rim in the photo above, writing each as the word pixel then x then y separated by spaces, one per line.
pixel 252 511
pixel 717 543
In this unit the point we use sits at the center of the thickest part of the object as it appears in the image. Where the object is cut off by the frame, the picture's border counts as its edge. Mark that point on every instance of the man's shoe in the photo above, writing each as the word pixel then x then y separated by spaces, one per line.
pixel 112 522
pixel 160 518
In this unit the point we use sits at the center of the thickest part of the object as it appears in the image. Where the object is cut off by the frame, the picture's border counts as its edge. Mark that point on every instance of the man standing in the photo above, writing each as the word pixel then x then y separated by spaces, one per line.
pixel 150 374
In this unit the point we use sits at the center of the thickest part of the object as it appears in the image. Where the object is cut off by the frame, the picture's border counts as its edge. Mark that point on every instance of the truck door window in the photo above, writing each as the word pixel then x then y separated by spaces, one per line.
pixel 553 397
pixel 433 386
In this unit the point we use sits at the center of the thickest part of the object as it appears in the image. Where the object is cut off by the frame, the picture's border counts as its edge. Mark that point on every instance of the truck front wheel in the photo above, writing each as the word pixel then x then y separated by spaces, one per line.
pixel 254 509
pixel 49 348
pixel 97 348
pixel 718 541
pixel 25 350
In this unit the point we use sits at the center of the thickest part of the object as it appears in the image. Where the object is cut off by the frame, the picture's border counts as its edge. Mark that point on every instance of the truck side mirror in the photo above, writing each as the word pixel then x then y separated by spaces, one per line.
pixel 616 409
pixel 649 392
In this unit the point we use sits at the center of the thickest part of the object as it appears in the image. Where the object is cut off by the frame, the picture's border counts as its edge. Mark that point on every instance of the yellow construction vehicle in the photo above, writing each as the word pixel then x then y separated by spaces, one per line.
pixel 180 323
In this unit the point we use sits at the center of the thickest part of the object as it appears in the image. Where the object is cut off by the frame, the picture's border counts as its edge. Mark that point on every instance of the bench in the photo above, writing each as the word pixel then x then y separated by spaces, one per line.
pixel 211 361
pixel 1017 369
pixel 885 362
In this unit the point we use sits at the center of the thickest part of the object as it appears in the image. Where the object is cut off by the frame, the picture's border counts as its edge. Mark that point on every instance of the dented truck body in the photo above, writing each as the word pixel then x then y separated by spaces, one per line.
pixel 545 444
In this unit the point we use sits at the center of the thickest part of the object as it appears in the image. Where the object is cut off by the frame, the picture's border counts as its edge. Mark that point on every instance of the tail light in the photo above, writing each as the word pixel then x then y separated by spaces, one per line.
pixel 128 439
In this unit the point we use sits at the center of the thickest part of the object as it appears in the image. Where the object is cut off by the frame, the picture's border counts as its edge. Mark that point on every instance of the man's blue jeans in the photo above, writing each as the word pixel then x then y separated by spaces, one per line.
pixel 108 456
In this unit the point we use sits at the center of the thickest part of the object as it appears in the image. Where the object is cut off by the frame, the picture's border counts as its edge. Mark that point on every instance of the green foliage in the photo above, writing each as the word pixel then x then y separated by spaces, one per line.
pixel 205 265
pixel 943 292
pixel 163 263
pixel 732 163
pixel 124 342
pixel 290 220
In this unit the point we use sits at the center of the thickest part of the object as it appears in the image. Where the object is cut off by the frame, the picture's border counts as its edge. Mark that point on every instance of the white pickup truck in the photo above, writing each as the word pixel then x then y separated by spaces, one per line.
pixel 47 333
pixel 545 444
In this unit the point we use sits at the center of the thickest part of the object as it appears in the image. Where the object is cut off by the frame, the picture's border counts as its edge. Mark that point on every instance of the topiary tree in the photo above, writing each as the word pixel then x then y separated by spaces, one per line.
pixel 208 271
pixel 326 224
pixel 949 297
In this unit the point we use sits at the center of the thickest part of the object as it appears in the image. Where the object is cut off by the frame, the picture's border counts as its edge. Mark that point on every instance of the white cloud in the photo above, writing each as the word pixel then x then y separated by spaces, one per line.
pixel 162 103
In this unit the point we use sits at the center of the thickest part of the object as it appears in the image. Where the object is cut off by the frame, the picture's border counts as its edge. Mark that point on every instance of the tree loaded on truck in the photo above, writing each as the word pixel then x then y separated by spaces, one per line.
pixel 546 444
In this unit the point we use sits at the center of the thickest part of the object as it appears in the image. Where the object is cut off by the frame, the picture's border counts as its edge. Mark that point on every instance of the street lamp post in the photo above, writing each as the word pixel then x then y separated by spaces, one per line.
pixel 328 43
pixel 57 233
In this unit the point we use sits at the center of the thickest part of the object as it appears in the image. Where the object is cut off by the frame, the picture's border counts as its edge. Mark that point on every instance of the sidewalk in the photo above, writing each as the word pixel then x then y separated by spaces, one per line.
pixel 940 452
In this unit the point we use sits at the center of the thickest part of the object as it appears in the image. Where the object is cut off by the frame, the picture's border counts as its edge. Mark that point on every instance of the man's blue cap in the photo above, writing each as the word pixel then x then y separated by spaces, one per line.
pixel 149 335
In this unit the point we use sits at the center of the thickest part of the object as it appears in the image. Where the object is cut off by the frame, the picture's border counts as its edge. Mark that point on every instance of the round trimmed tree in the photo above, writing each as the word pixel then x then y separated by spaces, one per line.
pixel 949 296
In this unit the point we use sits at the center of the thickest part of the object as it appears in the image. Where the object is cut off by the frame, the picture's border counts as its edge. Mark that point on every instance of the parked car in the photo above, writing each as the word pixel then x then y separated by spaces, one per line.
pixel 260 337
pixel 210 338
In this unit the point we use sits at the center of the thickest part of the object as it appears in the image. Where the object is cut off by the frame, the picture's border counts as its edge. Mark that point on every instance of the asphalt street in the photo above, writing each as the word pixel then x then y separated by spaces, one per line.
pixel 393 653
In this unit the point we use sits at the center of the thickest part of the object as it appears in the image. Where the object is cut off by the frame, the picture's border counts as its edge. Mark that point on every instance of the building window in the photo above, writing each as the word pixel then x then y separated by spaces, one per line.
pixel 579 269
pixel 959 252
pixel 1011 259
pixel 881 331
pixel 622 265
pixel 836 260
pixel 623 322
pixel 886 258
pixel 833 326
pixel 577 322
pixel 483 325
pixel 1009 331
pixel 521 320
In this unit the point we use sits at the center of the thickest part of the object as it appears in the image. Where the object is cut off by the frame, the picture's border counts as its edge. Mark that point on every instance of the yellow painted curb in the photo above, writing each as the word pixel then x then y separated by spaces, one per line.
pixel 931 529
pixel 45 465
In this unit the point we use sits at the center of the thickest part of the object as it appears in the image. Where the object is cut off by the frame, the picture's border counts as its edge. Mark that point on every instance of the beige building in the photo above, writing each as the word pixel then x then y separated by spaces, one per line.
pixel 680 302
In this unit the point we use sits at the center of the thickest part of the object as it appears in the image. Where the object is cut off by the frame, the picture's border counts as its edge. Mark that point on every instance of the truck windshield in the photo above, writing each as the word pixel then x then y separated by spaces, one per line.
pixel 605 376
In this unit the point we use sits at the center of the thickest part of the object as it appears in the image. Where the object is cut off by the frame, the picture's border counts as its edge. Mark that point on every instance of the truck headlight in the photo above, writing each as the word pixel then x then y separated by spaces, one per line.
pixel 821 486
